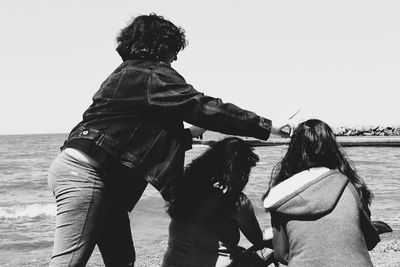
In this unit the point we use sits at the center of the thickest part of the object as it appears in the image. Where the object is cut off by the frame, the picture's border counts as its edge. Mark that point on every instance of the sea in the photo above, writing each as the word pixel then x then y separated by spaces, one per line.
pixel 27 206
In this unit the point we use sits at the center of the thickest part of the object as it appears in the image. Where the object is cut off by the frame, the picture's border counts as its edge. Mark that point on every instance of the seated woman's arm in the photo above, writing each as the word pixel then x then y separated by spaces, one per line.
pixel 247 221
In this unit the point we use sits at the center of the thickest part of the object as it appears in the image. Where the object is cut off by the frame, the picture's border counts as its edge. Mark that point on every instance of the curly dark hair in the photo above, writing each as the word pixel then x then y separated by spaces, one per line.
pixel 314 145
pixel 150 37
pixel 223 168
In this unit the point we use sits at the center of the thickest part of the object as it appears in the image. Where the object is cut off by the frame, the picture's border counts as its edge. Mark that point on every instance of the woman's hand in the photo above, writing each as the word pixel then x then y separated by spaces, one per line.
pixel 267 234
pixel 284 127
pixel 197 132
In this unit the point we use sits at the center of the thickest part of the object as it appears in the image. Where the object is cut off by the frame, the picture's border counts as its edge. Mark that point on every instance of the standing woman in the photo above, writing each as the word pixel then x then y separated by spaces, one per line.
pixel 130 135
pixel 319 204
pixel 208 208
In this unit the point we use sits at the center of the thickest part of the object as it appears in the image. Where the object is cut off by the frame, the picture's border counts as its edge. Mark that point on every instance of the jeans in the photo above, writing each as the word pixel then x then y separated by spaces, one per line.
pixel 88 214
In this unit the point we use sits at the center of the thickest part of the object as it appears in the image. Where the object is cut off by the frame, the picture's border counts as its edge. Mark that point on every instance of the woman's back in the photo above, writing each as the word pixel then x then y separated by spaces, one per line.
pixel 318 203
pixel 211 215
pixel 335 239
pixel 205 239
pixel 207 207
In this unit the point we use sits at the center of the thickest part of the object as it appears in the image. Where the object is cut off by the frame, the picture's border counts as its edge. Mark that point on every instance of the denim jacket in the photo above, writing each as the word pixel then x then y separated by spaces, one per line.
pixel 137 115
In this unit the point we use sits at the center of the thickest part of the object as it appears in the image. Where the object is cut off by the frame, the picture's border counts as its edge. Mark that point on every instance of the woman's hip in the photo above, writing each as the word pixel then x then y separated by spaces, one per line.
pixel 67 171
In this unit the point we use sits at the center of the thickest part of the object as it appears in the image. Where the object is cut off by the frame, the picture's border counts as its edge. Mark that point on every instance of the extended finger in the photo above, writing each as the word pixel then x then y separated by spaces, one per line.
pixel 291 117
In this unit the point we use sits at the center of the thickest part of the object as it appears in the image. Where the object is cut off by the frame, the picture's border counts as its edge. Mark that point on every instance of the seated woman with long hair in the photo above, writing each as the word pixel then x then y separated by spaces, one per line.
pixel 208 208
pixel 319 204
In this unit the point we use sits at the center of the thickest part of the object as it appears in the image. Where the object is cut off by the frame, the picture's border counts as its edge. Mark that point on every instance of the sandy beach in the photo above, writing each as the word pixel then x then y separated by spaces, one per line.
pixel 151 237
pixel 386 253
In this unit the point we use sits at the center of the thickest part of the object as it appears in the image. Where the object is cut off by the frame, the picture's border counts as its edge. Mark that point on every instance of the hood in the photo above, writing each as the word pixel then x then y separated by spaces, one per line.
pixel 308 193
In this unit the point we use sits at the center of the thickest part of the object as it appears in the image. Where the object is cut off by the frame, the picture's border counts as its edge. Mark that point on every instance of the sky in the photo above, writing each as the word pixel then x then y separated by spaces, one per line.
pixel 338 61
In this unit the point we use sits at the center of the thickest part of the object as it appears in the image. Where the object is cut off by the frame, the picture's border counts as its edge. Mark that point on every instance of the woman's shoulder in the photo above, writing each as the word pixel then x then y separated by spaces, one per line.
pixel 244 210
pixel 243 199
pixel 244 203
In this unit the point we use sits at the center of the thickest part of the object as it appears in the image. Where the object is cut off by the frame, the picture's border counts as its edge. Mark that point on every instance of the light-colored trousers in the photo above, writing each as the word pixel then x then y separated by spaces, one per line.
pixel 87 215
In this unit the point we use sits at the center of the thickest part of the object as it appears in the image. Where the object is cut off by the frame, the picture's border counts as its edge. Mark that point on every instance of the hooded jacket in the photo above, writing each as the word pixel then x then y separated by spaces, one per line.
pixel 318 220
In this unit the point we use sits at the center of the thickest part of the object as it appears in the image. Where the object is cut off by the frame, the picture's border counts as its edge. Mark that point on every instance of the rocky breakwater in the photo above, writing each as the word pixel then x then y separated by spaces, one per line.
pixel 367 131
pixel 379 136
pixel 346 136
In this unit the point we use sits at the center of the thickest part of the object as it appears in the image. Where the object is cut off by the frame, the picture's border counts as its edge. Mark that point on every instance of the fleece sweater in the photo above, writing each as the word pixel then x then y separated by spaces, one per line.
pixel 318 220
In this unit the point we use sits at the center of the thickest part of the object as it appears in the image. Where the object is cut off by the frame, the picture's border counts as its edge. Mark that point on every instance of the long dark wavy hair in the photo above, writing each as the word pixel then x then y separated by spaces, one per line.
pixel 150 37
pixel 314 145
pixel 224 168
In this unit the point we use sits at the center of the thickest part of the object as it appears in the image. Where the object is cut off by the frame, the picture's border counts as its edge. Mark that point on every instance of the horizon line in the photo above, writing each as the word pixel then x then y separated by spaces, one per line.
pixel 369 126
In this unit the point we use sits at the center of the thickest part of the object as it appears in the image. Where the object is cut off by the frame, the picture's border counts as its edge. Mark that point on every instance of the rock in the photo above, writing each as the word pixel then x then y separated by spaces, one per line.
pixel 367 131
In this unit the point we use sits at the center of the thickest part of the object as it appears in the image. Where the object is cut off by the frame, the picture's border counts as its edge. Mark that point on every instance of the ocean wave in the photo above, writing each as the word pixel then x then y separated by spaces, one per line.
pixel 26 245
pixel 29 210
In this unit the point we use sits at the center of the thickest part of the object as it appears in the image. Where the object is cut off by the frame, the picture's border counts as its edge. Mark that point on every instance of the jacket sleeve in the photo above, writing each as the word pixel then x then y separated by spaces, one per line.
pixel 187 139
pixel 168 91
